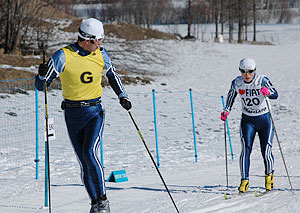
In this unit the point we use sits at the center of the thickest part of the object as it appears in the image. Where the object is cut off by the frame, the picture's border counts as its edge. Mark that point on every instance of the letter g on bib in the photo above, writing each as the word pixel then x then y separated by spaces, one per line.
pixel 86 77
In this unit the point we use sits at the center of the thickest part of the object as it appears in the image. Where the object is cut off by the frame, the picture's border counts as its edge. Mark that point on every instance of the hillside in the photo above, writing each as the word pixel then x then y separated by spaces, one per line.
pixel 11 65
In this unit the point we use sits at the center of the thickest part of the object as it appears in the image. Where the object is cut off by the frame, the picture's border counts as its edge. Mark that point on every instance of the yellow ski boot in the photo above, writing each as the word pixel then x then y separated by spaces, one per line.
pixel 244 186
pixel 269 182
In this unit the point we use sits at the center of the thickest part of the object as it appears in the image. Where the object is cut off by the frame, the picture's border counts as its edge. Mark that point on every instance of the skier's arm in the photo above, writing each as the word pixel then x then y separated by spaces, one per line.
pixel 229 102
pixel 56 65
pixel 267 83
pixel 230 97
pixel 113 77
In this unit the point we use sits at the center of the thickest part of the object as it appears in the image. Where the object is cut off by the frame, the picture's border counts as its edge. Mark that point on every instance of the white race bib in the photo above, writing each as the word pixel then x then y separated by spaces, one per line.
pixel 253 102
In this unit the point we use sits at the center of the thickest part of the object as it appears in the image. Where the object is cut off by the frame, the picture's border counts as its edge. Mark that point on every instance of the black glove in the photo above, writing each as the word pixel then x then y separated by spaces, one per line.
pixel 125 103
pixel 43 69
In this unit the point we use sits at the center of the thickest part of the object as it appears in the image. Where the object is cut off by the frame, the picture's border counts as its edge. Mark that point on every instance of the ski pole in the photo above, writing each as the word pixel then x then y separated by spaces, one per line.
pixel 279 145
pixel 225 146
pixel 137 128
pixel 47 131
pixel 226 154
pixel 229 138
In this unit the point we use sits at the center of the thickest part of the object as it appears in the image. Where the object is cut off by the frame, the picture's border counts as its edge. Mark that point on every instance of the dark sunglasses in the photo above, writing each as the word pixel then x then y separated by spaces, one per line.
pixel 248 71
pixel 93 41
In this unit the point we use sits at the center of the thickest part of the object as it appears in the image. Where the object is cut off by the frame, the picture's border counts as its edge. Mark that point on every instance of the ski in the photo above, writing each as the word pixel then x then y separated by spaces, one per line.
pixel 228 196
pixel 260 194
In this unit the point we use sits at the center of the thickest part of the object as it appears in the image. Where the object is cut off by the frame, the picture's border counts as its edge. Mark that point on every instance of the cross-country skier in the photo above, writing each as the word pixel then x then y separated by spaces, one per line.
pixel 79 67
pixel 254 90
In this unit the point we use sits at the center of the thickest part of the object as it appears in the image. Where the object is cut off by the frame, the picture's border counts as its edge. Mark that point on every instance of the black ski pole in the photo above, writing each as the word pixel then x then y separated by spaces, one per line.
pixel 279 145
pixel 137 128
pixel 47 130
pixel 225 144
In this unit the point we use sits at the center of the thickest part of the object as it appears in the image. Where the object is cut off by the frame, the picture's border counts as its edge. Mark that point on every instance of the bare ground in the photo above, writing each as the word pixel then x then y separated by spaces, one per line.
pixel 129 32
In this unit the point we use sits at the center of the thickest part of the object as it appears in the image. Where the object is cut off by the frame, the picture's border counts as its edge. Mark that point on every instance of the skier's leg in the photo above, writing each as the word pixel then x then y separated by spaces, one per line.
pixel 247 134
pixel 74 118
pixel 85 126
pixel 95 180
pixel 266 134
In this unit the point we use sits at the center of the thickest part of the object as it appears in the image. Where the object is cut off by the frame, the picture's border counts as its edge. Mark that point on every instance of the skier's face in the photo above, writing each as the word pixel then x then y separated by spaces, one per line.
pixel 95 44
pixel 92 45
pixel 248 76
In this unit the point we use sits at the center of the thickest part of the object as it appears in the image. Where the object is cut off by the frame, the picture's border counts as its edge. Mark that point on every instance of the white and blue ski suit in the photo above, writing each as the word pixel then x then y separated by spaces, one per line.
pixel 255 119
pixel 80 72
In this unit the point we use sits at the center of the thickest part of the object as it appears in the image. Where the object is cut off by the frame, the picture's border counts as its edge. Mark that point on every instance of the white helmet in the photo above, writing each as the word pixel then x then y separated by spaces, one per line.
pixel 247 64
pixel 91 29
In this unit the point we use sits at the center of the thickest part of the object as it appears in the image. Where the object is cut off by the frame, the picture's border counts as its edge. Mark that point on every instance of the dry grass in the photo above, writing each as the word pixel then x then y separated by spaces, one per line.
pixel 11 74
pixel 129 32
pixel 16 60
pixel 45 10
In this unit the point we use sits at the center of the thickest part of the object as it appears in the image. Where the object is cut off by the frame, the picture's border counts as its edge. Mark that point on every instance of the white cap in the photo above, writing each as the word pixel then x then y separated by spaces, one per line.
pixel 91 29
pixel 247 64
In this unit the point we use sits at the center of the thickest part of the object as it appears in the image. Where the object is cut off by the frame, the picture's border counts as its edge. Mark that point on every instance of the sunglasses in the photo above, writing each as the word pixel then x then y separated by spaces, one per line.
pixel 98 40
pixel 246 71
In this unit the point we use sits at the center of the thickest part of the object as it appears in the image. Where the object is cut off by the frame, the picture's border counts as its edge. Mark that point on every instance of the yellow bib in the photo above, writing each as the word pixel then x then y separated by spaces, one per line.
pixel 81 78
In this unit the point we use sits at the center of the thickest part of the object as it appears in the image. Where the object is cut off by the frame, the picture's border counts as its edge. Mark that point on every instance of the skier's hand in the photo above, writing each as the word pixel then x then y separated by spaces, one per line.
pixel 265 92
pixel 125 103
pixel 43 69
pixel 224 115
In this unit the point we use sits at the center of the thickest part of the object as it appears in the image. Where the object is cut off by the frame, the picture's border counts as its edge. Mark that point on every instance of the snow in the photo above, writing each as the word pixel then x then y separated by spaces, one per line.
pixel 208 68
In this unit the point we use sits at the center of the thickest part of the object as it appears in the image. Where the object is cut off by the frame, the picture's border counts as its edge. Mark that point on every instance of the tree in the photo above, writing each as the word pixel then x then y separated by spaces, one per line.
pixel 230 20
pixel 189 18
pixel 254 20
pixel 222 17
pixel 216 15
pixel 24 23
pixel 14 16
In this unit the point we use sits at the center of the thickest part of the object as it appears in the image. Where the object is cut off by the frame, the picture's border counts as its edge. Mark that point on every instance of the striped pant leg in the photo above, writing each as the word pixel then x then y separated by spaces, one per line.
pixel 93 176
pixel 85 128
pixel 266 140
pixel 247 134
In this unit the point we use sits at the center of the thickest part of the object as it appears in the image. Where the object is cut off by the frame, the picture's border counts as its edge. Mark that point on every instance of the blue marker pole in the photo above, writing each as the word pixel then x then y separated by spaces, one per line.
pixel 193 119
pixel 36 134
pixel 232 157
pixel 155 127
pixel 46 178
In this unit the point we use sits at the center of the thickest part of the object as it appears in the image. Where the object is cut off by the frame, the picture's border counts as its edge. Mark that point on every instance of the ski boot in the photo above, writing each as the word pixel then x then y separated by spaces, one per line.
pixel 269 182
pixel 101 205
pixel 244 186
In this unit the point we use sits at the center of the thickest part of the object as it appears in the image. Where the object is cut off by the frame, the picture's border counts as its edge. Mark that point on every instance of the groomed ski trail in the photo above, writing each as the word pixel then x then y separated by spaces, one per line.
pixel 244 203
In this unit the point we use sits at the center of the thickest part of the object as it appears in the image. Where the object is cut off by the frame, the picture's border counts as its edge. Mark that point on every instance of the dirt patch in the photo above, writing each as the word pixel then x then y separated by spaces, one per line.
pixel 19 60
pixel 262 43
pixel 127 31
pixel 131 32
pixel 73 28
pixel 45 10
pixel 11 74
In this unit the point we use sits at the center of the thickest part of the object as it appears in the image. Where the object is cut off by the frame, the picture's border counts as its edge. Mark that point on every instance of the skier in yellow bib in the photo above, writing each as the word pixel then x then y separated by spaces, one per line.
pixel 80 67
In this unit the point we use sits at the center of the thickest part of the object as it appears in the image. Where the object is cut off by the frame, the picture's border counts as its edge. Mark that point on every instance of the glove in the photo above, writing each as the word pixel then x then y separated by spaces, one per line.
pixel 265 92
pixel 224 115
pixel 43 69
pixel 125 103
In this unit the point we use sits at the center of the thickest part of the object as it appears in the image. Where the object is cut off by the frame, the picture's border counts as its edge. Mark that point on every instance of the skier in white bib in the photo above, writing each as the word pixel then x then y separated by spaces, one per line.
pixel 254 90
